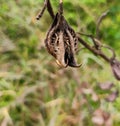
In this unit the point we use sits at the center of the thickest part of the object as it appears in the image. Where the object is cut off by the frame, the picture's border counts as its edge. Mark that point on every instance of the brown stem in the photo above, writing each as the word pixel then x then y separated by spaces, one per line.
pixel 96 42
pixel 61 7
pixel 50 9
pixel 98 45
pixel 93 50
pixel 42 11
pixel 99 22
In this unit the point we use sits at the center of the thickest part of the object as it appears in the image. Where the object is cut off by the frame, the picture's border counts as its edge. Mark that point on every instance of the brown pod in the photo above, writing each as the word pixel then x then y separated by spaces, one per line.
pixel 61 42
pixel 115 65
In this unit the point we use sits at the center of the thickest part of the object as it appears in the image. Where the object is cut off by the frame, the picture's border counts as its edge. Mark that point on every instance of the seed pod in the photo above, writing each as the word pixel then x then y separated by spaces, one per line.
pixel 61 42
pixel 115 65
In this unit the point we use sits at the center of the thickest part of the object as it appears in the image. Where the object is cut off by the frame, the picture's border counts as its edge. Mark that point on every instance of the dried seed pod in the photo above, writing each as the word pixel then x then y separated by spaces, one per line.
pixel 61 42
pixel 115 65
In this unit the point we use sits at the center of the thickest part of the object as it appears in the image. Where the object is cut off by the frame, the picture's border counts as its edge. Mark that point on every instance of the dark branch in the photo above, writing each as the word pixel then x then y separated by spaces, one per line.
pixel 97 47
pixel 61 7
pixel 100 19
pixel 93 50
pixel 47 5
pixel 96 42
pixel 42 11
pixel 50 9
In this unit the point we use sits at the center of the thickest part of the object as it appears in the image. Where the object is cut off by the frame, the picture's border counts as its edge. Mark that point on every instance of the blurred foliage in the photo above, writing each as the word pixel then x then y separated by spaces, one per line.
pixel 34 91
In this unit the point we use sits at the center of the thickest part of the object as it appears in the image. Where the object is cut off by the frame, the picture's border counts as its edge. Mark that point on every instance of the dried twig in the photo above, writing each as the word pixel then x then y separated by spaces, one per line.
pixel 42 11
pixel 100 19
pixel 61 7
pixel 47 5
pixel 97 46
pixel 93 50
pixel 96 42
pixel 50 9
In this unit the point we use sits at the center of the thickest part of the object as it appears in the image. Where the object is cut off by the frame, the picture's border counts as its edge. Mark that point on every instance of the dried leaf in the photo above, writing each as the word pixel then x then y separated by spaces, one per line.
pixel 109 122
pixel 98 120
pixel 112 96
pixel 101 118
pixel 106 85
pixel 97 117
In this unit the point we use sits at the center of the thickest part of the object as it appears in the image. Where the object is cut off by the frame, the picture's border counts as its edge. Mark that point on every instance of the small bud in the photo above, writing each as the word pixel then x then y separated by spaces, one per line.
pixel 115 65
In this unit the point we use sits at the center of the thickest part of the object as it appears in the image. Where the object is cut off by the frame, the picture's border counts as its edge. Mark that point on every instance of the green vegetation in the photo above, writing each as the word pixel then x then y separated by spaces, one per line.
pixel 34 91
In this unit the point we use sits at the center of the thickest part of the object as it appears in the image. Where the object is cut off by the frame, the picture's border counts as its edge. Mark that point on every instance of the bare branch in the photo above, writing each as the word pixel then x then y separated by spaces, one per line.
pixel 61 7
pixel 96 42
pixel 50 9
pixel 42 11
pixel 47 5
pixel 100 19
pixel 98 45
pixel 93 50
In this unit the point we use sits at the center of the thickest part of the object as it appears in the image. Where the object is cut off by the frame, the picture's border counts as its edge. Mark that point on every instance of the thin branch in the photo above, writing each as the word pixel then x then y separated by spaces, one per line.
pixel 47 5
pixel 93 50
pixel 96 42
pixel 42 11
pixel 98 45
pixel 50 9
pixel 100 19
pixel 61 7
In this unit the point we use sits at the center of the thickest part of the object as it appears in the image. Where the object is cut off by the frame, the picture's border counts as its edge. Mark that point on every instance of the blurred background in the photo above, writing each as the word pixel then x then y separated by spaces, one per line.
pixel 34 91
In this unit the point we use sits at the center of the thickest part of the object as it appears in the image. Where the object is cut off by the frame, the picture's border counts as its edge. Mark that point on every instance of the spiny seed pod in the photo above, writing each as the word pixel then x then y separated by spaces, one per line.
pixel 61 42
